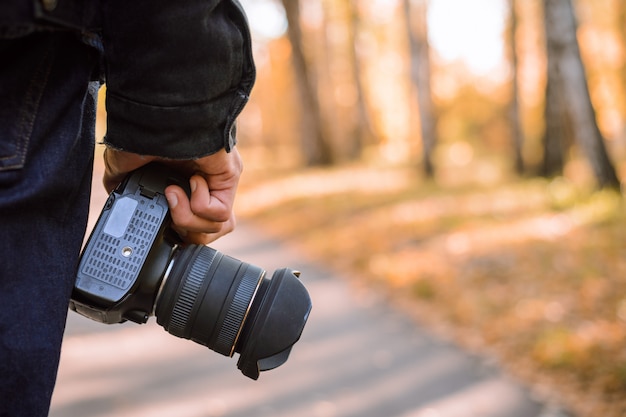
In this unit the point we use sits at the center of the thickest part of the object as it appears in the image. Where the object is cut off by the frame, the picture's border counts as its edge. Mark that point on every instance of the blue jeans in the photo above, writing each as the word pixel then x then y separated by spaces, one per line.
pixel 47 116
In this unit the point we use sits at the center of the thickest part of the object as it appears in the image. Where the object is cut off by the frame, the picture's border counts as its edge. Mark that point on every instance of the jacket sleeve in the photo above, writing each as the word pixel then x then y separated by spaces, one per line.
pixel 178 74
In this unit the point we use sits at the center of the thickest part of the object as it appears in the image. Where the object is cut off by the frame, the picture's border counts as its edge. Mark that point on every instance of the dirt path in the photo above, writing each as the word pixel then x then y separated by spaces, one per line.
pixel 357 357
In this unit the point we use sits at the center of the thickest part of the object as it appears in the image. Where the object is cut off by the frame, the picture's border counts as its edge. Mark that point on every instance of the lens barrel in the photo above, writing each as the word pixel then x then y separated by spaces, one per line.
pixel 230 306
pixel 207 297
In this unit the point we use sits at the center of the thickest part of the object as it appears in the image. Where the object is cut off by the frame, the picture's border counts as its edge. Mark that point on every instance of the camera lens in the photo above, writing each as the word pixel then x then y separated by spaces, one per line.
pixel 230 306
pixel 207 296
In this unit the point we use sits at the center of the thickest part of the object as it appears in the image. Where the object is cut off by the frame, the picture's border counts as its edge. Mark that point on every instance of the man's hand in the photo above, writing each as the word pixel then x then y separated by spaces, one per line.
pixel 213 181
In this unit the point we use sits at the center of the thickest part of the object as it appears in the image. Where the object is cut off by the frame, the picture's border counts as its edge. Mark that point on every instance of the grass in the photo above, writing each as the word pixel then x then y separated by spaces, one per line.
pixel 532 271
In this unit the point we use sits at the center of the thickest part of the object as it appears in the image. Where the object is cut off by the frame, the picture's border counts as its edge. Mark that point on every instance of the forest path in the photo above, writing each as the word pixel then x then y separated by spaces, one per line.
pixel 358 356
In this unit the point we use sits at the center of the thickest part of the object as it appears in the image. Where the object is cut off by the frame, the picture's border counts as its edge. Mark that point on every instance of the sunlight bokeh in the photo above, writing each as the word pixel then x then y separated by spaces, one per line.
pixel 266 17
pixel 469 32
pixel 459 31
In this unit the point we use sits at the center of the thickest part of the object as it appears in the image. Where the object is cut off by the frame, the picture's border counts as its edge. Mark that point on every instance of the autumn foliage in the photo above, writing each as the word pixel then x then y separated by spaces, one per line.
pixel 531 270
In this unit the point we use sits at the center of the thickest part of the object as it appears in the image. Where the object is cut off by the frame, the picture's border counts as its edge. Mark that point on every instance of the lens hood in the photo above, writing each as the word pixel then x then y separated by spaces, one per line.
pixel 277 324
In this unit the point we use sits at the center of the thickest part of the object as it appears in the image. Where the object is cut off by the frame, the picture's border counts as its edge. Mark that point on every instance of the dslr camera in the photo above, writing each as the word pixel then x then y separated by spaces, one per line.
pixel 134 265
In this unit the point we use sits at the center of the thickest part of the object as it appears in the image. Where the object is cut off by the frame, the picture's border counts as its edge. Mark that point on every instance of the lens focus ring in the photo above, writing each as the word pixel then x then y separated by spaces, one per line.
pixel 189 292
pixel 238 310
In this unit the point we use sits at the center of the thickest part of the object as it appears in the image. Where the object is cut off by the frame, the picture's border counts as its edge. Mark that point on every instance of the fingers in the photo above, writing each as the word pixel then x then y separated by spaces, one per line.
pixel 205 216
pixel 215 205
pixel 209 213
pixel 201 238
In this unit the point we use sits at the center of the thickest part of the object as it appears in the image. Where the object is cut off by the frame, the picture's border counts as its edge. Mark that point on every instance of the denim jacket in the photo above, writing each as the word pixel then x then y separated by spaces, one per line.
pixel 178 73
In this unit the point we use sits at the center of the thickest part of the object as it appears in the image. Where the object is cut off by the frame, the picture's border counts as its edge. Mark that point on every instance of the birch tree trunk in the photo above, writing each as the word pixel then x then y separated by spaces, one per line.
pixel 415 12
pixel 571 84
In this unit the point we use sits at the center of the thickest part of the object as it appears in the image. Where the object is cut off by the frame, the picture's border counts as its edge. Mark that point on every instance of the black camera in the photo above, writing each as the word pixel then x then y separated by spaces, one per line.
pixel 134 265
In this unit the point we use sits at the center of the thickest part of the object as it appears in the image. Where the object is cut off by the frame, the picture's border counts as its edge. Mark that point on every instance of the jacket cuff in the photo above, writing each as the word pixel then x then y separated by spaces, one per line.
pixel 178 132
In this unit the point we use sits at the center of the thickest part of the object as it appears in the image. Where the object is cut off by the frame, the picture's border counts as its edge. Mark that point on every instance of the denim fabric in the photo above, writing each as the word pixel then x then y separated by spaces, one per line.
pixel 47 115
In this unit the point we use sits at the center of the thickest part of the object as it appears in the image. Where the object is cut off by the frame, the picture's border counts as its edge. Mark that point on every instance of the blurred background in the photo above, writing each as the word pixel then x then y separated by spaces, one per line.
pixel 465 157
pixel 439 83
pixel 463 160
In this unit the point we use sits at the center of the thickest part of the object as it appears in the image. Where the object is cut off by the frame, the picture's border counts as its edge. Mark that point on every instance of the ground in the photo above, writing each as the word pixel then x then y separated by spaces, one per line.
pixel 529 270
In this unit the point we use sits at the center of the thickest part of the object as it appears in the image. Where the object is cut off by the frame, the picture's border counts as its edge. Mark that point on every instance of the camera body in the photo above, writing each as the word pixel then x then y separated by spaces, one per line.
pixel 134 266
pixel 123 263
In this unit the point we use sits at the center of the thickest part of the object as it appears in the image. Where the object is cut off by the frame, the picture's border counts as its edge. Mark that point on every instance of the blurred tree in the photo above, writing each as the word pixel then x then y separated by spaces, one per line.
pixel 567 93
pixel 517 134
pixel 556 140
pixel 363 131
pixel 415 13
pixel 621 21
pixel 332 43
pixel 315 147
